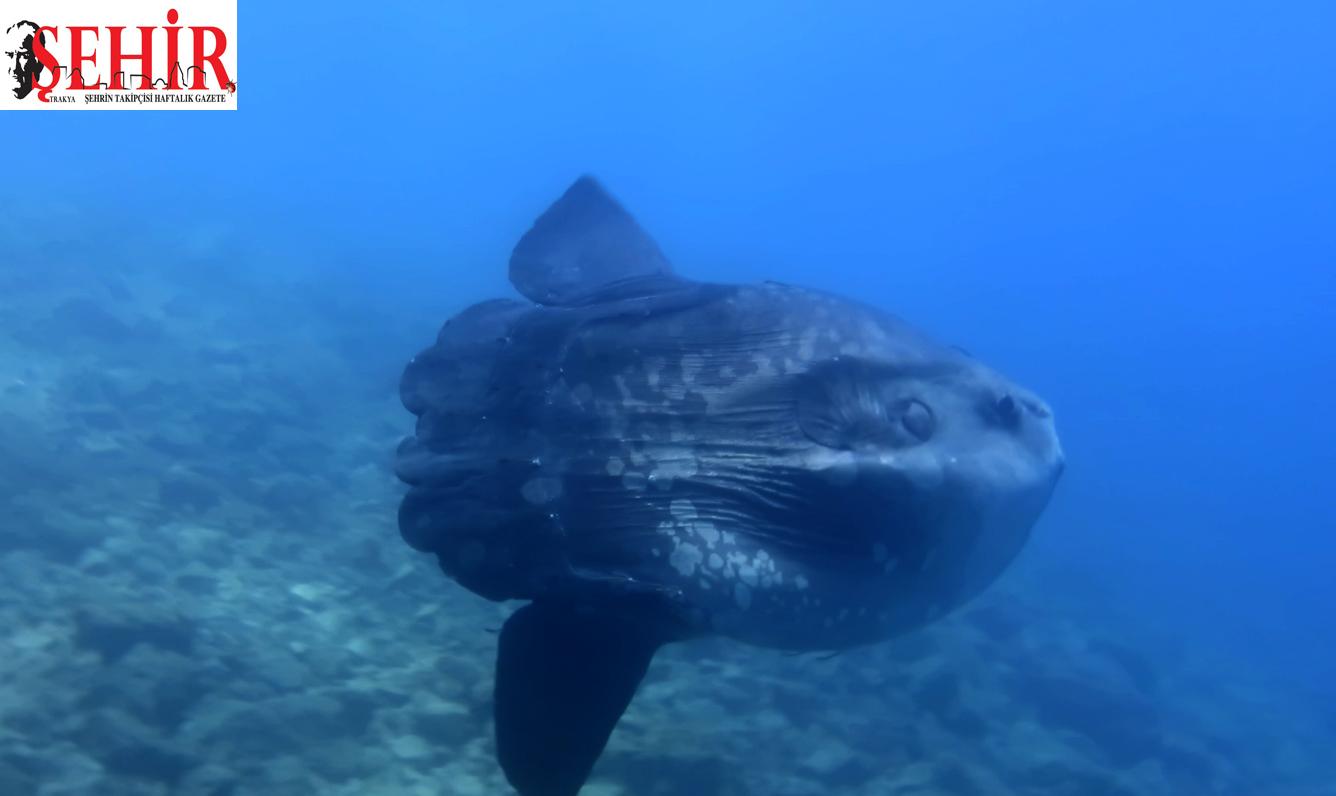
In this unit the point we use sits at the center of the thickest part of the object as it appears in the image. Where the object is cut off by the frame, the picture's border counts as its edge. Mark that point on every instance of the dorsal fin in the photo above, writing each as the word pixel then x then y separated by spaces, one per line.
pixel 583 242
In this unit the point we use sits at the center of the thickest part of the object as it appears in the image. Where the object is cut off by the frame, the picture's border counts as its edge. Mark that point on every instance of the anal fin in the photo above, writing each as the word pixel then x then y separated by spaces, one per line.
pixel 564 675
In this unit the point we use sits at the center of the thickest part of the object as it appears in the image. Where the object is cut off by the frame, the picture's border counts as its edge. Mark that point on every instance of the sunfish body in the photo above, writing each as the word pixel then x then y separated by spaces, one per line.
pixel 647 458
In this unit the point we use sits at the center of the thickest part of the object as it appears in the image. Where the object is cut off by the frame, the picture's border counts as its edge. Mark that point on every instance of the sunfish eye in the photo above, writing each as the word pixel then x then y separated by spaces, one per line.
pixel 1008 411
pixel 853 405
pixel 917 419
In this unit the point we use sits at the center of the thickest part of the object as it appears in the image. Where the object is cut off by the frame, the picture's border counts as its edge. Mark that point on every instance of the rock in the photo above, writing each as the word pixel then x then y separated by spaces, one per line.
pixel 15 780
pixel 938 692
pixel 410 747
pixel 1059 777
pixel 158 688
pixel 59 535
pixel 1190 769
pixel 184 491
pixel 112 630
pixel 358 708
pixel 272 671
pixel 830 760
pixel 301 723
pixel 998 620
pixel 1114 715
pixel 1137 666
pixel 661 775
pixel 955 778
pixel 292 495
pixel 966 723
pixel 153 761
pixel 61 767
pixel 89 319
pixel 126 747
pixel 211 780
pixel 911 648
pixel 445 724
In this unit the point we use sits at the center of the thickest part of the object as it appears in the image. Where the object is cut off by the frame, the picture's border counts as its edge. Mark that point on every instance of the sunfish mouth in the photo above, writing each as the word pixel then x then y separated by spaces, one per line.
pixel 930 525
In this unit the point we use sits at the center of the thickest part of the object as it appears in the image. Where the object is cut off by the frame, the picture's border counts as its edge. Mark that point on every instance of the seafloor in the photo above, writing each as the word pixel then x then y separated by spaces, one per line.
pixel 202 591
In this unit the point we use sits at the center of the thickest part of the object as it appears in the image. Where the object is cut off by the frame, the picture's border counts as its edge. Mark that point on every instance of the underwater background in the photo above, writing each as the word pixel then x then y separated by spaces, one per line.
pixel 1128 207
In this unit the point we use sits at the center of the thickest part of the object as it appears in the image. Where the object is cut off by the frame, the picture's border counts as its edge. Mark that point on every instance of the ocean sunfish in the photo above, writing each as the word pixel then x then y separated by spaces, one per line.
pixel 645 458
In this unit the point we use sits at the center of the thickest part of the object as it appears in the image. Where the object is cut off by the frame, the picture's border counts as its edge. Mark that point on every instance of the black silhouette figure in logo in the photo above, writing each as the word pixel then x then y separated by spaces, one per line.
pixel 21 64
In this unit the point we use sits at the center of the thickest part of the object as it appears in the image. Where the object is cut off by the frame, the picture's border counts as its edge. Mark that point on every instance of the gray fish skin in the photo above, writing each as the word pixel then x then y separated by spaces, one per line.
pixel 782 466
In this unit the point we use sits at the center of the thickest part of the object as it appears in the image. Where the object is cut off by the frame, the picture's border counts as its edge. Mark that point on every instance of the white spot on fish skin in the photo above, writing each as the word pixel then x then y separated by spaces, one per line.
pixel 872 331
pixel 716 562
pixel 615 466
pixel 653 366
pixel 677 465
pixel 708 532
pixel 807 348
pixel 623 390
pixel 541 490
pixel 742 595
pixel 633 481
pixel 686 558
pixel 748 574
pixel 801 582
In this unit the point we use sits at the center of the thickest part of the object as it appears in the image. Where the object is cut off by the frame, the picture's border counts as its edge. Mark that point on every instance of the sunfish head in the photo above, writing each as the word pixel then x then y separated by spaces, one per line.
pixel 919 471
pixel 822 474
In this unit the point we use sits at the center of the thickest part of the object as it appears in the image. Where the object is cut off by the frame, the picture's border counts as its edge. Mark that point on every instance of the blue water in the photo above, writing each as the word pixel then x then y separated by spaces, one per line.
pixel 1127 206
